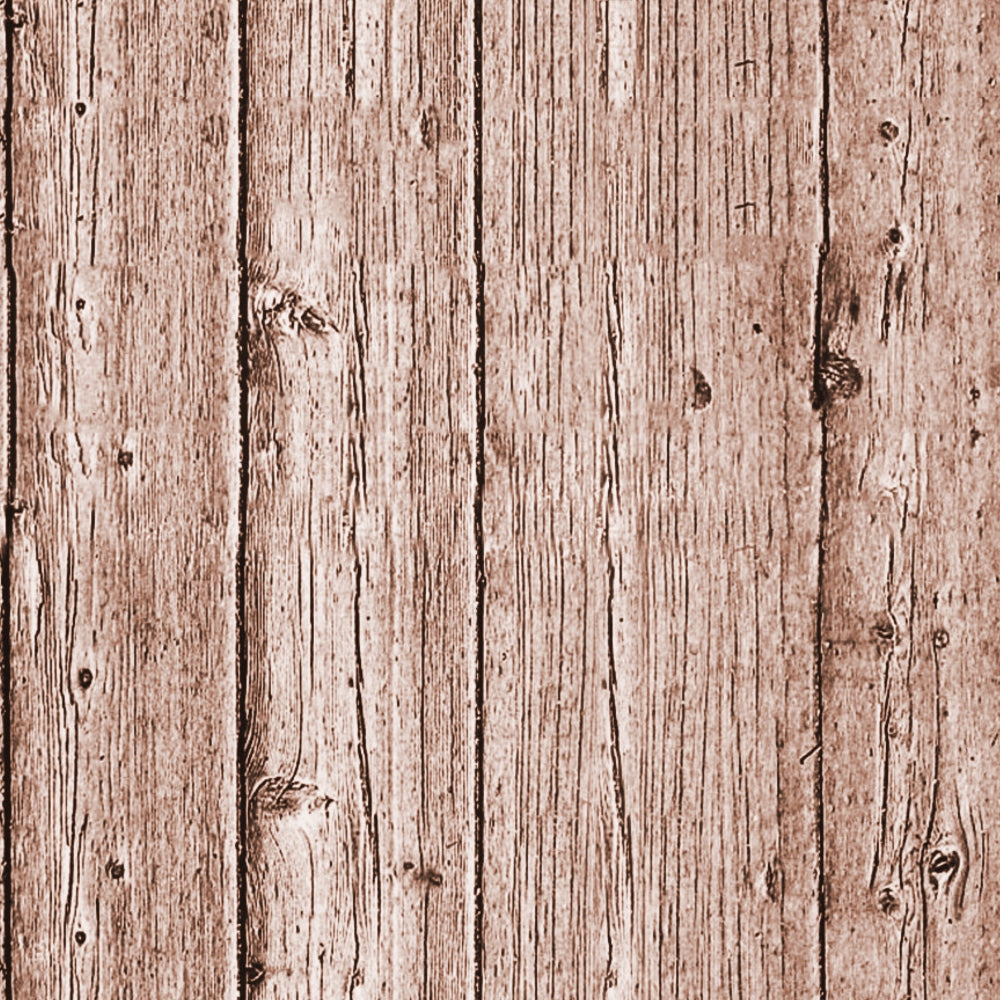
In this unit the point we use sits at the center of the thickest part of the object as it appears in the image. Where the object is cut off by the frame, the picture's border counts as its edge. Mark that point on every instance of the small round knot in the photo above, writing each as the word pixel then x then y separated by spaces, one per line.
pixel 839 378
pixel 887 901
pixel 889 131
pixel 941 639
pixel 702 390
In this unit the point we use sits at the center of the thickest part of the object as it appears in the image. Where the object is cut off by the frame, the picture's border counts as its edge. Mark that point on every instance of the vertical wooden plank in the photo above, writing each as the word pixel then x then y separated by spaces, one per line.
pixel 911 595
pixel 713 493
pixel 552 884
pixel 122 628
pixel 360 557
pixel 8 500
pixel 653 487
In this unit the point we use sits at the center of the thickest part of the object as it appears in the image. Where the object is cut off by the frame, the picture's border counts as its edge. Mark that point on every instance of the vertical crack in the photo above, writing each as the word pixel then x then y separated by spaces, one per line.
pixel 480 370
pixel 243 349
pixel 371 820
pixel 10 505
pixel 820 352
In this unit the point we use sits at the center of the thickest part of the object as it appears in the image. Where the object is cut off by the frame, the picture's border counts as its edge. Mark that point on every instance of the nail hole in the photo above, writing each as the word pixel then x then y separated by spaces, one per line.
pixel 86 678
pixel 80 305
pixel 772 881
pixel 895 236
pixel 889 131
pixel 702 390
pixel 757 328
pixel 125 459
pixel 79 937
pixel 884 630
pixel 432 877
pixel 116 869
pixel 80 108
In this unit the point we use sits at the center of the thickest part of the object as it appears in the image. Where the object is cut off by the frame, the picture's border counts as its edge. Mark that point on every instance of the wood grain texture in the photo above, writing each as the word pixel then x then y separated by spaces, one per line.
pixel 911 592
pixel 653 485
pixel 360 560
pixel 123 530
pixel 607 605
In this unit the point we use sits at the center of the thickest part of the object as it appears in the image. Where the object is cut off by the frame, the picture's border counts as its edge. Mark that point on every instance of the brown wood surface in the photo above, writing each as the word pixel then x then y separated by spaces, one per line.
pixel 604 603
pixel 361 445
pixel 910 587
pixel 653 483
pixel 123 525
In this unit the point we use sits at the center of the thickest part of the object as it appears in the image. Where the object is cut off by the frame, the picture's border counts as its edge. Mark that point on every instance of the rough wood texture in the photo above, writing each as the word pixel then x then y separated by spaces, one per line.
pixel 911 594
pixel 360 589
pixel 608 600
pixel 122 618
pixel 653 478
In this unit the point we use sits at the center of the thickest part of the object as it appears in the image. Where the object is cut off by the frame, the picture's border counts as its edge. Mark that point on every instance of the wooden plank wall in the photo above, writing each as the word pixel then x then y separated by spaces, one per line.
pixel 499 499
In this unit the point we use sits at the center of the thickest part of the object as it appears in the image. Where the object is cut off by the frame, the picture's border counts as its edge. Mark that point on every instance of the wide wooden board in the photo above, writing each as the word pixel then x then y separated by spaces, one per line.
pixel 360 455
pixel 910 586
pixel 651 232
pixel 122 527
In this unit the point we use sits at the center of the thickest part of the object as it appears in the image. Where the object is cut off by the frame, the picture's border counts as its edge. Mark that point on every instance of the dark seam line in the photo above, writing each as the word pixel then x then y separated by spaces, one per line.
pixel 241 546
pixel 11 502
pixel 480 277
pixel 820 350
pixel 818 730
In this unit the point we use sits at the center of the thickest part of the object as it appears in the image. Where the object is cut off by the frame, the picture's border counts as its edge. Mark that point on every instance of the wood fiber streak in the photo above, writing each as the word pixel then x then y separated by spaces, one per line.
pixel 122 583
pixel 911 595
pixel 651 223
pixel 7 424
pixel 360 591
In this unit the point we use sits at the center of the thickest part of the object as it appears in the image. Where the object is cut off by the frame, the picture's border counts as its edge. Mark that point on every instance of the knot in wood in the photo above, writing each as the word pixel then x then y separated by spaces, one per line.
pixel 839 378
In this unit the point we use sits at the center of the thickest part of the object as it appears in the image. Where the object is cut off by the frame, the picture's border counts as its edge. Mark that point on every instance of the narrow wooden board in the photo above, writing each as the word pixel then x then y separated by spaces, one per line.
pixel 360 589
pixel 652 501
pixel 8 500
pixel 911 594
pixel 122 616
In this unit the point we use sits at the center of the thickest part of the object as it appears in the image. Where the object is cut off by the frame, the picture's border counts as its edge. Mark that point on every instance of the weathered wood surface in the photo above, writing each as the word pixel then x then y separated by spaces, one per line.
pixel 674 319
pixel 653 487
pixel 361 445
pixel 911 594
pixel 123 526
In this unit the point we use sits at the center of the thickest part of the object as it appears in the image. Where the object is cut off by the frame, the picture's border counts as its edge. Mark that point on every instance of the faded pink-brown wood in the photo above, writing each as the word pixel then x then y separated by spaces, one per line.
pixel 653 485
pixel 728 462
pixel 122 534
pixel 910 587
pixel 359 574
